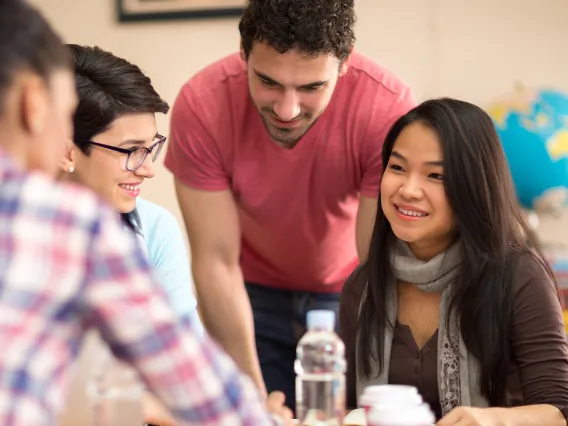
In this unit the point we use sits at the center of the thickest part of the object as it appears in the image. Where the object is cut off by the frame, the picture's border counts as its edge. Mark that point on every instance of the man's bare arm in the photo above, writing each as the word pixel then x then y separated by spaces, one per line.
pixel 213 229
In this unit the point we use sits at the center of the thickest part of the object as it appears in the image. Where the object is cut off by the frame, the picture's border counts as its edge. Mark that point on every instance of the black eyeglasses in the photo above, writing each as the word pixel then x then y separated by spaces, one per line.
pixel 136 155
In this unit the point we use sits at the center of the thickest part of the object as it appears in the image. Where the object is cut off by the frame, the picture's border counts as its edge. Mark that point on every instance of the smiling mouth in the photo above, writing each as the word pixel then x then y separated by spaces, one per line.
pixel 130 187
pixel 286 125
pixel 410 213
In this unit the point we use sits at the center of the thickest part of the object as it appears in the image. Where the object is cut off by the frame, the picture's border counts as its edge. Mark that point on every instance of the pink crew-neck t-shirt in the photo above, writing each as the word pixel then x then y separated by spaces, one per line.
pixel 297 207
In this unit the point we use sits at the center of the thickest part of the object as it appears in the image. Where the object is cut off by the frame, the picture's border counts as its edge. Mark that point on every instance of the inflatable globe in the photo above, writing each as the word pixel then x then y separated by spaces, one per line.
pixel 533 127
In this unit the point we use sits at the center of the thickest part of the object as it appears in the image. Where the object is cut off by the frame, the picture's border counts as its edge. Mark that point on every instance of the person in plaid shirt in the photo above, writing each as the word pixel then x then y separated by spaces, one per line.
pixel 68 266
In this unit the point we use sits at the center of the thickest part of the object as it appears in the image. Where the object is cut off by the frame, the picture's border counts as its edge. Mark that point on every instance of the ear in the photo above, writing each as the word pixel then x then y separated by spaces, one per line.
pixel 67 163
pixel 345 64
pixel 35 104
pixel 242 51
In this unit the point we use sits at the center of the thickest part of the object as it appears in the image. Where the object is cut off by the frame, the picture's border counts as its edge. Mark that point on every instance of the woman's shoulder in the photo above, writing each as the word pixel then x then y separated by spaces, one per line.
pixel 161 231
pixel 537 299
pixel 531 272
pixel 154 211
pixel 153 216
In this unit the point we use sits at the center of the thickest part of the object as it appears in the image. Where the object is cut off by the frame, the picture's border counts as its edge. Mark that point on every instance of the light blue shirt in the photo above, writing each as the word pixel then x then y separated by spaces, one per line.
pixel 161 237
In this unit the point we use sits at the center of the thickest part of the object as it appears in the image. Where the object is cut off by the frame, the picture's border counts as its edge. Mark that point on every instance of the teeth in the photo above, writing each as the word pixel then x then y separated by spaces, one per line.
pixel 130 187
pixel 411 213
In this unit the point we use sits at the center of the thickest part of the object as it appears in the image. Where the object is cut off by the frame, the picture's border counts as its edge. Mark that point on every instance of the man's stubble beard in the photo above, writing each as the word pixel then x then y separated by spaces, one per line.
pixel 279 134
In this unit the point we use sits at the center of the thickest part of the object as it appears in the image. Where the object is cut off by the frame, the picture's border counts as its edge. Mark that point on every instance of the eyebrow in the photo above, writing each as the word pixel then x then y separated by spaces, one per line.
pixel 136 141
pixel 430 163
pixel 303 86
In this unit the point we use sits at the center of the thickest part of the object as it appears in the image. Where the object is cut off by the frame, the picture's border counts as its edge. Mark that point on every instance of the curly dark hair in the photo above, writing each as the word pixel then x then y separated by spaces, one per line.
pixel 315 27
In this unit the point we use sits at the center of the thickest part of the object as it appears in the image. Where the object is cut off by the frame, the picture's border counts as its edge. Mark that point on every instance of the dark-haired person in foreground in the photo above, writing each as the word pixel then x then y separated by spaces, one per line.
pixel 455 297
pixel 276 157
pixel 67 267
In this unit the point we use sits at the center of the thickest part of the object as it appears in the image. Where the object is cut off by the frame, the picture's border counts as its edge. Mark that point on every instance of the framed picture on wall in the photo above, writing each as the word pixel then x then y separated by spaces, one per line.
pixel 155 10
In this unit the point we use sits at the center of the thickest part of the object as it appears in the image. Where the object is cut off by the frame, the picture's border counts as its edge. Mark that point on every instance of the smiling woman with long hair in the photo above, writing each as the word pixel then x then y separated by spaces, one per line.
pixel 455 297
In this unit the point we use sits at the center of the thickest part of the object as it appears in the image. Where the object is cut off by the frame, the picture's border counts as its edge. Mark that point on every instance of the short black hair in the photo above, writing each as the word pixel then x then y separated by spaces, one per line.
pixel 108 87
pixel 27 42
pixel 314 27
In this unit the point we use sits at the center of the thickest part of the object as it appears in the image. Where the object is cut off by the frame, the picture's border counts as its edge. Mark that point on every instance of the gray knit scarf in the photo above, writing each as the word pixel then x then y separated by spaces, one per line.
pixel 458 371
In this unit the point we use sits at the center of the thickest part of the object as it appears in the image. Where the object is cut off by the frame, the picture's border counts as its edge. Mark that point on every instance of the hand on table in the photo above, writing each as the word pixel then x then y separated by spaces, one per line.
pixel 156 414
pixel 470 416
pixel 275 405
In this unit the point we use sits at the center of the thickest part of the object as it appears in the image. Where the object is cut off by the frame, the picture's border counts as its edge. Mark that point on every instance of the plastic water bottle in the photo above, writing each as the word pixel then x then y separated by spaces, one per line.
pixel 115 394
pixel 320 373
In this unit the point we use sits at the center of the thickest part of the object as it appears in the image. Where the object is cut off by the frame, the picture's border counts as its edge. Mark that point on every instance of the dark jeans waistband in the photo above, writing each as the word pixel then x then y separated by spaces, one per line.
pixel 261 289
pixel 289 304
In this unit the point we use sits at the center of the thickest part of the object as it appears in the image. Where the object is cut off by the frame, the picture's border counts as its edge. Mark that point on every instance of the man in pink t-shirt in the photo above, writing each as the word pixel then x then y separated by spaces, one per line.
pixel 276 153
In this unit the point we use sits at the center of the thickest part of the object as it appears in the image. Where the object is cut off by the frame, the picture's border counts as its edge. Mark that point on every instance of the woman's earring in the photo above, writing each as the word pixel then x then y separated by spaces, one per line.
pixel 71 169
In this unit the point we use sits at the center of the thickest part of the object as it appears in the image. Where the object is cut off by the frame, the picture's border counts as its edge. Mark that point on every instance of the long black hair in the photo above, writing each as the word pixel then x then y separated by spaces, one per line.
pixel 490 226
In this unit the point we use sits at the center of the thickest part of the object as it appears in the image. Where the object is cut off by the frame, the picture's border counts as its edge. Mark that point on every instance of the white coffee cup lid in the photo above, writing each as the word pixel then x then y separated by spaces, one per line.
pixel 390 394
pixel 390 388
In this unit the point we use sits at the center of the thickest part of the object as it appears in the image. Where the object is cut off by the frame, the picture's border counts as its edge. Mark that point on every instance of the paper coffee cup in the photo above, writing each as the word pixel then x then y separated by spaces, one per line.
pixel 400 415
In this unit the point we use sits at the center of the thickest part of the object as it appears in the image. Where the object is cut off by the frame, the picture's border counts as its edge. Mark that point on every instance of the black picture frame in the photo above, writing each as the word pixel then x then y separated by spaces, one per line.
pixel 184 13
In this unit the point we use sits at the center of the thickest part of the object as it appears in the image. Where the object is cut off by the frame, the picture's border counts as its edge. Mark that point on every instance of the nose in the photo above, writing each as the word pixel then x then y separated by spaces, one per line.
pixel 147 168
pixel 287 107
pixel 411 189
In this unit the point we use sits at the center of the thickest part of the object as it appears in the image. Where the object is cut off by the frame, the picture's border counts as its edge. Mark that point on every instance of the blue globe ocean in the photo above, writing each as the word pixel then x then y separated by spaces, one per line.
pixel 533 127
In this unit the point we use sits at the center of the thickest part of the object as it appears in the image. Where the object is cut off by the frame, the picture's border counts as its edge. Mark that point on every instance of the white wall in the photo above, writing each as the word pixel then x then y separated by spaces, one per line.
pixel 471 49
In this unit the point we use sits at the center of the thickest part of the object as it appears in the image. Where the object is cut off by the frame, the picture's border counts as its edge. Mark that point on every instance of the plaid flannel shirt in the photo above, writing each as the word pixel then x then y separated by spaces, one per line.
pixel 66 265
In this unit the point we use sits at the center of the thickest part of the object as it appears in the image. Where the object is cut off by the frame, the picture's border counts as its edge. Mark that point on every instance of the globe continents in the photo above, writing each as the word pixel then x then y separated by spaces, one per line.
pixel 533 127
